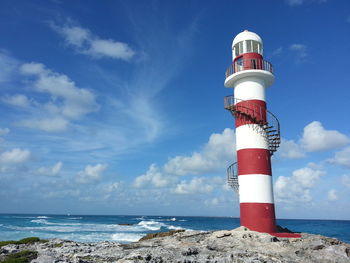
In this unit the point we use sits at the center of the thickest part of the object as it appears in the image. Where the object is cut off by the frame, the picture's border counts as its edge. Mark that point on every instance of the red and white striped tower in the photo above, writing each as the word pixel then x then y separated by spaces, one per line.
pixel 257 132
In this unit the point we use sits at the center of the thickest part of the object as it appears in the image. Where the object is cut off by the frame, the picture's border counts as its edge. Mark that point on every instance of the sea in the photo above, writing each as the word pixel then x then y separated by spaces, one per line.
pixel 126 229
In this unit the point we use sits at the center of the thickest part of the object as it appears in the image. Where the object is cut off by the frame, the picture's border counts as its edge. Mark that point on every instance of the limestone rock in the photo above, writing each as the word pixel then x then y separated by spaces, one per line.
pixel 238 245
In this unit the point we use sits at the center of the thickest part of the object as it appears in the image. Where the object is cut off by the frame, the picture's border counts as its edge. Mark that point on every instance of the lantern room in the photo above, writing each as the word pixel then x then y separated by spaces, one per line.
pixel 247 42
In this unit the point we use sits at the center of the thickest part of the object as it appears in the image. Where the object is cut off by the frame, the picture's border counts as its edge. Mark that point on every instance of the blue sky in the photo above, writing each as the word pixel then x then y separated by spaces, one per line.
pixel 117 107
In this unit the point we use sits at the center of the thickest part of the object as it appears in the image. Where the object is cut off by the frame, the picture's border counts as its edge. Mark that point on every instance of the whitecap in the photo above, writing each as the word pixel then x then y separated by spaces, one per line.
pixel 126 237
pixel 42 217
pixel 40 221
pixel 151 225
pixel 175 228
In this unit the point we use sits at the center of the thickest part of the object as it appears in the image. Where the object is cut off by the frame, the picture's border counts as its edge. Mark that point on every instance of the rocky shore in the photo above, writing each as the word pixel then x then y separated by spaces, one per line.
pixel 238 245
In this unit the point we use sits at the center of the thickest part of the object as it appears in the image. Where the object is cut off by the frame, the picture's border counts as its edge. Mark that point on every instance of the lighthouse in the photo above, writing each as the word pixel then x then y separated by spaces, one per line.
pixel 257 133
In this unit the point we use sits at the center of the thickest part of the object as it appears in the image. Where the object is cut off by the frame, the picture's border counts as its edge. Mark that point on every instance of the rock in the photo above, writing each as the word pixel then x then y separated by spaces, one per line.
pixel 160 234
pixel 238 245
pixel 283 230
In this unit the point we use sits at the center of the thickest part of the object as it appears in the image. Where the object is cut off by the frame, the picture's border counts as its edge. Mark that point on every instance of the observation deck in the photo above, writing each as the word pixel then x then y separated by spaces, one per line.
pixel 241 68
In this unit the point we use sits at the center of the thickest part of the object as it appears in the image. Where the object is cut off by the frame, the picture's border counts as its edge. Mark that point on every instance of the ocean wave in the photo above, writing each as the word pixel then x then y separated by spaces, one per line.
pixel 151 225
pixel 40 221
pixel 74 218
pixel 126 237
pixel 176 228
pixel 44 225
pixel 42 217
pixel 167 219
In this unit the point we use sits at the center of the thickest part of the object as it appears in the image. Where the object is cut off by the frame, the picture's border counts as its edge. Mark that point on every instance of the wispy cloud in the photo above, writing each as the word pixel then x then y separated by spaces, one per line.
pixel 4 131
pixel 277 51
pixel 15 156
pixel 87 43
pixel 300 51
pixel 301 2
pixel 18 100
pixel 50 171
pixel 8 66
pixel 295 2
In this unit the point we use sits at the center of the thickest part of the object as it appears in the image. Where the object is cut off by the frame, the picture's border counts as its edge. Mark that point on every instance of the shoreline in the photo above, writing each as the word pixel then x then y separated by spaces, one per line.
pixel 237 245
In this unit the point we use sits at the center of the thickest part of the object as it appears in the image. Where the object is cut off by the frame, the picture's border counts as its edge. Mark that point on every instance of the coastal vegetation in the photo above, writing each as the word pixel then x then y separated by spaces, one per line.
pixel 28 240
pixel 24 256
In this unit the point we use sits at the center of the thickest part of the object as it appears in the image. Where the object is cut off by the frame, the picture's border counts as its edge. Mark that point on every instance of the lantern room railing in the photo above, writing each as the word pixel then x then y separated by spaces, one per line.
pixel 246 64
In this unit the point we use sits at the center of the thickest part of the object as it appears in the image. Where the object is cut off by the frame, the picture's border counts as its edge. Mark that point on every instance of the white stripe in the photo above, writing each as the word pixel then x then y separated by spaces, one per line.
pixel 251 136
pixel 255 188
pixel 251 88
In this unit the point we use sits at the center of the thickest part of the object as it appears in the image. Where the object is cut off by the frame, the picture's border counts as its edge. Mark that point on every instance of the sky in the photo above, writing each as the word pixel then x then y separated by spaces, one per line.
pixel 116 107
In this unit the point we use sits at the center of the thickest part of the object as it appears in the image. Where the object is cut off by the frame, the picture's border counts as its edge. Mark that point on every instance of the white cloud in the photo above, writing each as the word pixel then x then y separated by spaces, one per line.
pixel 196 185
pixel 87 43
pixel 91 173
pixel 15 156
pixel 215 156
pixel 342 158
pixel 315 138
pixel 346 180
pixel 296 188
pixel 67 102
pixel 4 131
pixel 155 178
pixel 51 171
pixel 332 195
pixel 76 101
pixel 291 150
pixel 19 100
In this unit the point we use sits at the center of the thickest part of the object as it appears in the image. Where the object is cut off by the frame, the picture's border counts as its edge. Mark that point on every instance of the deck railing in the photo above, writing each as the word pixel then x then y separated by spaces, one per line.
pixel 246 64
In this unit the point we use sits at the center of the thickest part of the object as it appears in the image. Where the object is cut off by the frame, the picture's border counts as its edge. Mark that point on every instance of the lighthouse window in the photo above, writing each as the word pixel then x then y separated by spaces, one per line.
pixel 256 47
pixel 240 47
pixel 249 46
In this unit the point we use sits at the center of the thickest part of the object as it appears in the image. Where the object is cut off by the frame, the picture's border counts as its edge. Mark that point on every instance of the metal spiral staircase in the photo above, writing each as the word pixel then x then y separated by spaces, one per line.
pixel 267 125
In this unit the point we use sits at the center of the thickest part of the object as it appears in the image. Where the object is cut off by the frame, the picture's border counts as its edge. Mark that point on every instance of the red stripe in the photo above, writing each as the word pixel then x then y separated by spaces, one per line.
pixel 253 161
pixel 258 217
pixel 250 112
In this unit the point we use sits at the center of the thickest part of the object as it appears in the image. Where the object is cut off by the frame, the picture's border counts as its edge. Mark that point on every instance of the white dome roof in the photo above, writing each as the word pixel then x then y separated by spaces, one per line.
pixel 246 35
